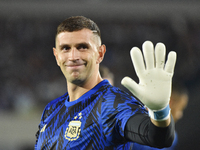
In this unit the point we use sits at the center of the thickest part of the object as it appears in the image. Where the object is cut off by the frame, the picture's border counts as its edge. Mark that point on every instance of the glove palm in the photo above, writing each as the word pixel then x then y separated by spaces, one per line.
pixel 155 76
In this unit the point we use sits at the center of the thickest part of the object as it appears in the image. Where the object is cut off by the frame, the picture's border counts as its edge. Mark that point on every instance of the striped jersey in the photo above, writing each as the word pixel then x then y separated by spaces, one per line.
pixel 95 121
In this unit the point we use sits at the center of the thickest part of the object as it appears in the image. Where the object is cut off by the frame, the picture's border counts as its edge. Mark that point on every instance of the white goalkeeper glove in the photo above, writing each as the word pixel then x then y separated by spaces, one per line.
pixel 155 78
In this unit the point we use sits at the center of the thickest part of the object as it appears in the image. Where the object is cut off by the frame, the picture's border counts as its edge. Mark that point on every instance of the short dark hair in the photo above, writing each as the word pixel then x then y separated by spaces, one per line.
pixel 76 23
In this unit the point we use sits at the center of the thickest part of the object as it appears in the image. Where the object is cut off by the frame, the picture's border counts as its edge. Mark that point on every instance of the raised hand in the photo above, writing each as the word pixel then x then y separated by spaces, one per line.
pixel 155 75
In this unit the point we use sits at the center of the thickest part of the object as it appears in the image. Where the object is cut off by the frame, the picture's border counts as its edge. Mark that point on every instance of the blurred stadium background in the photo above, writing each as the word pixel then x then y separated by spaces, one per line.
pixel 30 78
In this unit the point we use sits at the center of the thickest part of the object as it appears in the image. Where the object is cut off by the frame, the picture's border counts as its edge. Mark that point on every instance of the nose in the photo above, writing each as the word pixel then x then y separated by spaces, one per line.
pixel 74 54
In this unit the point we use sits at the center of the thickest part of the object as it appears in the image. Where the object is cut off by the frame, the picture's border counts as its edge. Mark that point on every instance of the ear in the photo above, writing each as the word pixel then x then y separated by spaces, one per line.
pixel 56 55
pixel 101 51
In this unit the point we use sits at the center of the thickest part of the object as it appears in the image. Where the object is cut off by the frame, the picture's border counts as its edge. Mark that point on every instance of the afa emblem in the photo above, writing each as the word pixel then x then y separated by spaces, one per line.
pixel 74 129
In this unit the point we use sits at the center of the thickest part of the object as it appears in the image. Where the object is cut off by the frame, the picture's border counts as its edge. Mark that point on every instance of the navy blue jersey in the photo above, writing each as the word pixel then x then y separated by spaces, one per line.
pixel 94 121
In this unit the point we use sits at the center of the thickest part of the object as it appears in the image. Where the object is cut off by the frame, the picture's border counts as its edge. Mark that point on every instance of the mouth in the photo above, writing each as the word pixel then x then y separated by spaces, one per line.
pixel 75 65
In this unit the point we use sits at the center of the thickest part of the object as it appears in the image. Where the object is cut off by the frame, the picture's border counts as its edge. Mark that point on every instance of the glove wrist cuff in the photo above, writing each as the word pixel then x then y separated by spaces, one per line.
pixel 160 115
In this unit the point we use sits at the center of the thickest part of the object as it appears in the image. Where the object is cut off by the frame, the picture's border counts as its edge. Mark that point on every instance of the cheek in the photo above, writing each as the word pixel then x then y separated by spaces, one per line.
pixel 92 62
pixel 96 58
pixel 92 58
pixel 61 59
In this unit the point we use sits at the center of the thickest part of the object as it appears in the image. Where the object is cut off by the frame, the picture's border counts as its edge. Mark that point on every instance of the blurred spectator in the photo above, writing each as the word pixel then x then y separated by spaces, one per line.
pixel 106 74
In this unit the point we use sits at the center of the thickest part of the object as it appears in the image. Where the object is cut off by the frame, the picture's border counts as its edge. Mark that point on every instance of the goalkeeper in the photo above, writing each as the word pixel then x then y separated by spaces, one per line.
pixel 93 114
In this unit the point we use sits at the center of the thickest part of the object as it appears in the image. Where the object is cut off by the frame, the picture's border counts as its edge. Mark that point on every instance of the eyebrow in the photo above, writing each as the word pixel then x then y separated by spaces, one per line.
pixel 76 45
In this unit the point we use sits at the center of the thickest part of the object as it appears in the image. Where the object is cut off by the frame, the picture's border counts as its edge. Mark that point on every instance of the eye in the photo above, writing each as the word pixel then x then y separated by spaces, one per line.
pixel 82 47
pixel 65 48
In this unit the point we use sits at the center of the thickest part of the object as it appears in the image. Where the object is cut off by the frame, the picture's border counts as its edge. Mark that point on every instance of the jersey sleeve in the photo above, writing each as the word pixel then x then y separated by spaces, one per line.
pixel 127 108
pixel 117 107
pixel 41 125
pixel 48 111
pixel 140 129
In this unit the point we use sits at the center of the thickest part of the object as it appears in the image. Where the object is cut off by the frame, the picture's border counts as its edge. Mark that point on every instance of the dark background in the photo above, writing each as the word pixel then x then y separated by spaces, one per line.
pixel 30 78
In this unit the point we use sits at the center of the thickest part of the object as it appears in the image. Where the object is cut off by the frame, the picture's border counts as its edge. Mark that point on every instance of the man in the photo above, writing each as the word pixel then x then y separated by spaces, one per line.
pixel 178 103
pixel 93 114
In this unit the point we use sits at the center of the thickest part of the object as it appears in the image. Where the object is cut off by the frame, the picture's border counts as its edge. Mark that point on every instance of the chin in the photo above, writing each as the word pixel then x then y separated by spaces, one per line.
pixel 77 81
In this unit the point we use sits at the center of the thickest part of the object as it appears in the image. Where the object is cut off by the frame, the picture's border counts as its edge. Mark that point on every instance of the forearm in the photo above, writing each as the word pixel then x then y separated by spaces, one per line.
pixel 141 130
pixel 163 123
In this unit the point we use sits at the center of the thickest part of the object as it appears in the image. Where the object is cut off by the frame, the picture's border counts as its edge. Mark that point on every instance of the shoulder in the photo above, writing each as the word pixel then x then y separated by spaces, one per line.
pixel 53 105
pixel 118 93
pixel 107 89
pixel 119 97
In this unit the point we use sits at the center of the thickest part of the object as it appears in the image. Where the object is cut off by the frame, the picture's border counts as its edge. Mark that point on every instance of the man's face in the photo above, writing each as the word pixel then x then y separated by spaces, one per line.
pixel 78 54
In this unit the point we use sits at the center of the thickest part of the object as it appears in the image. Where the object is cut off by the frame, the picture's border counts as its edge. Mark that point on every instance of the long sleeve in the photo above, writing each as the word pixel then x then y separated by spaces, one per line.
pixel 140 129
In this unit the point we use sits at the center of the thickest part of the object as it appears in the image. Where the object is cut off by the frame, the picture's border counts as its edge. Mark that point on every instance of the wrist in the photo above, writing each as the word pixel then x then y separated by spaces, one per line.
pixel 160 115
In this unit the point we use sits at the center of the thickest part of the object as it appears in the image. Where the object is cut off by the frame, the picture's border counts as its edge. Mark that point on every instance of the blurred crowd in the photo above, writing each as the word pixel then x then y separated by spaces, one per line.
pixel 29 75
pixel 28 71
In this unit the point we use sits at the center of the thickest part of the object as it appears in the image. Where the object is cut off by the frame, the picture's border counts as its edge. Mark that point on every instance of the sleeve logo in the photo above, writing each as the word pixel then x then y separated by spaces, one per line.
pixel 42 130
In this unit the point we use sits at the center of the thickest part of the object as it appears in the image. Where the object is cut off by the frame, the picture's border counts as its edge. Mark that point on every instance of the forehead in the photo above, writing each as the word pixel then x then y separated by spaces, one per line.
pixel 84 35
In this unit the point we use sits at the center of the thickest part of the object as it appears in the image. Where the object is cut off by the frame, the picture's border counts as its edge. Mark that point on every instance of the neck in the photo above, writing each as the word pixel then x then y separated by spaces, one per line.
pixel 76 91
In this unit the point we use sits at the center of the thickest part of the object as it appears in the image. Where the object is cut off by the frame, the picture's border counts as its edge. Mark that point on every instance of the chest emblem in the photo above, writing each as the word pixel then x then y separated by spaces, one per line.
pixel 74 128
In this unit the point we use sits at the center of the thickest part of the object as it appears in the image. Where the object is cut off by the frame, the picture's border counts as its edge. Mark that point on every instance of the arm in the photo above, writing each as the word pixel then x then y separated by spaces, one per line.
pixel 141 130
pixel 155 77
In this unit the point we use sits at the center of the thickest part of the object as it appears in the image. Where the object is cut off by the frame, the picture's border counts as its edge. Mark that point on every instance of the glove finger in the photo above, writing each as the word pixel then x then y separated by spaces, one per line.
pixel 138 61
pixel 148 51
pixel 160 52
pixel 171 61
pixel 131 85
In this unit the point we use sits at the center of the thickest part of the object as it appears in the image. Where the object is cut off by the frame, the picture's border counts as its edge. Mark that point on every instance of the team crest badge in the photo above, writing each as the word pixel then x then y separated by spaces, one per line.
pixel 74 128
